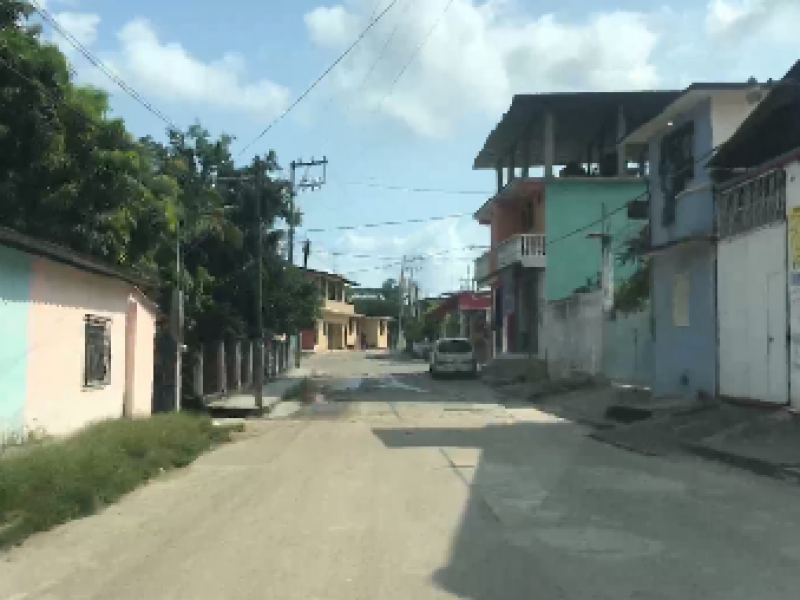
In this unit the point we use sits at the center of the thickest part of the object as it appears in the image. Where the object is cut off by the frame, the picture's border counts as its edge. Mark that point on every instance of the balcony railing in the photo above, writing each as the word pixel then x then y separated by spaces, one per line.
pixel 339 307
pixel 527 249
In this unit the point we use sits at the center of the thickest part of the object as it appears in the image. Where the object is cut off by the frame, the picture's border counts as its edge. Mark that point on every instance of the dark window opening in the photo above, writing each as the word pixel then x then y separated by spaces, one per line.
pixel 97 359
pixel 454 347
pixel 676 167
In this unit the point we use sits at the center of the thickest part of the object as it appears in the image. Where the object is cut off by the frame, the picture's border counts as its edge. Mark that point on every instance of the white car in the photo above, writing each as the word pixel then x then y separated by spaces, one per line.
pixel 454 356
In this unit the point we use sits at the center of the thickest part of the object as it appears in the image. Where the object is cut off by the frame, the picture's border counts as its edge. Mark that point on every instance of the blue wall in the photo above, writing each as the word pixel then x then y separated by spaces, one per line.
pixel 685 357
pixel 628 348
pixel 15 293
pixel 694 211
pixel 569 206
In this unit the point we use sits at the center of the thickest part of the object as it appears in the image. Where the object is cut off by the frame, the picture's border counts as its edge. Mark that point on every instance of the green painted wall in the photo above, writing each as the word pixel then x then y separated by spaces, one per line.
pixel 570 205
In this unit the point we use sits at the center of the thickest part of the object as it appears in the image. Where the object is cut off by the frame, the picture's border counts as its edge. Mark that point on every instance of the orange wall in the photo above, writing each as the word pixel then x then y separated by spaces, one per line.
pixel 508 216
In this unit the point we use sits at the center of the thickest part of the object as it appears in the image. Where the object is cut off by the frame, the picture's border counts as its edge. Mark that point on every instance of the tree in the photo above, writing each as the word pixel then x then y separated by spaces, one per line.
pixel 634 293
pixel 73 176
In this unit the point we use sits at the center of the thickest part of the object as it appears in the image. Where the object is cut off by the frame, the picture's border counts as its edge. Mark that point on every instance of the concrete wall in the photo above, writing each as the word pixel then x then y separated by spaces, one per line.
pixel 570 205
pixel 508 216
pixel 57 401
pixel 727 114
pixel 628 348
pixel 15 284
pixel 573 335
pixel 376 338
pixel 685 352
pixel 43 305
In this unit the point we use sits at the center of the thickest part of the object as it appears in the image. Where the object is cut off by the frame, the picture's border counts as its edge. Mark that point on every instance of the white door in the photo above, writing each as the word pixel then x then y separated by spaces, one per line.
pixel 752 313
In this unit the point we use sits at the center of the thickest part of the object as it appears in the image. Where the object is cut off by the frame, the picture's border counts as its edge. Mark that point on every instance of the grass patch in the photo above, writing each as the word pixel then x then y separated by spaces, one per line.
pixel 56 482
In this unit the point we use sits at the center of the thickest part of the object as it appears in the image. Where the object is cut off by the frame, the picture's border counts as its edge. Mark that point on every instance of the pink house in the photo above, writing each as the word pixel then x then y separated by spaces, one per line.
pixel 77 342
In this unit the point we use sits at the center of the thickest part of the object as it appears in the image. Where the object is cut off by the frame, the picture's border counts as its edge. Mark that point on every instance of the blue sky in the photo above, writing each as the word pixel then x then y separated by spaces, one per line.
pixel 236 65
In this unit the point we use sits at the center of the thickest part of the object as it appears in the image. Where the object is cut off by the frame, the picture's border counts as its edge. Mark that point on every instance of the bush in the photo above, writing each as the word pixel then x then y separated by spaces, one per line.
pixel 55 482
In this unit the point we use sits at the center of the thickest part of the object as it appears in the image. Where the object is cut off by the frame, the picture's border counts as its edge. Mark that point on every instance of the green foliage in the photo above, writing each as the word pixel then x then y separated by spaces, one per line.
pixel 53 482
pixel 386 306
pixel 73 176
pixel 634 293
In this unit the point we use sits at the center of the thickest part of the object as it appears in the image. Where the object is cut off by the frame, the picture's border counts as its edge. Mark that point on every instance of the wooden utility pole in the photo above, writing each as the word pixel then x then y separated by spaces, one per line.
pixel 259 284
pixel 294 186
pixel 401 289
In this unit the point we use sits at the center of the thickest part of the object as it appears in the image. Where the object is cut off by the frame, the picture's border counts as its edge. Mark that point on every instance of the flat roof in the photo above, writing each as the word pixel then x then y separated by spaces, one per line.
pixel 329 275
pixel 55 252
pixel 580 117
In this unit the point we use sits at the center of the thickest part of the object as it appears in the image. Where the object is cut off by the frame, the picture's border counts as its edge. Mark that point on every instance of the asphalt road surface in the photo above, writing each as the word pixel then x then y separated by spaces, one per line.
pixel 400 487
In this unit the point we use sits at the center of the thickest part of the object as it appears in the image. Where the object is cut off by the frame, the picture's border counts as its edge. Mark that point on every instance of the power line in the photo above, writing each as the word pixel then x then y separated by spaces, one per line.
pixel 421 190
pixel 50 19
pixel 325 73
pixel 374 64
pixel 387 223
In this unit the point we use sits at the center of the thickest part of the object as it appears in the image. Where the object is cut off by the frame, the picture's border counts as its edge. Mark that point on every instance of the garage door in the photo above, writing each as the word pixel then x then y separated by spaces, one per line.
pixel 752 312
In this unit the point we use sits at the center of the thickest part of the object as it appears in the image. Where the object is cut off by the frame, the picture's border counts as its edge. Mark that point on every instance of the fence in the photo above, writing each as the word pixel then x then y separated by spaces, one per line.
pixel 573 335
pixel 228 367
pixel 579 337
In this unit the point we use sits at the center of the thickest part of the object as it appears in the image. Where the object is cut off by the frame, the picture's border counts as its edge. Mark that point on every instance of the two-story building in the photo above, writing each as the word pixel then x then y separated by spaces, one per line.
pixel 680 140
pixel 562 179
pixel 340 327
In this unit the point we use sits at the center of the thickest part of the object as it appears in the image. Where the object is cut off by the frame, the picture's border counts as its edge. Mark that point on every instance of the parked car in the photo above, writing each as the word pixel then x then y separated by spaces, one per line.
pixel 453 355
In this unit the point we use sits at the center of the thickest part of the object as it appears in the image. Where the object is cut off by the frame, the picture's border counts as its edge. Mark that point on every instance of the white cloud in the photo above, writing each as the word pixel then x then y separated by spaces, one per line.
pixel 479 55
pixel 484 51
pixel 737 20
pixel 167 71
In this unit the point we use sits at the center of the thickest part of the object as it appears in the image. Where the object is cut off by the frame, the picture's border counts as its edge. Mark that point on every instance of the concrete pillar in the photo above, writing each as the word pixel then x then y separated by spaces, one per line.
pixel 237 365
pixel 221 370
pixel 549 144
pixel 526 154
pixel 622 129
pixel 512 163
pixel 499 170
pixel 248 367
pixel 197 380
pixel 505 333
pixel 589 158
pixel 462 324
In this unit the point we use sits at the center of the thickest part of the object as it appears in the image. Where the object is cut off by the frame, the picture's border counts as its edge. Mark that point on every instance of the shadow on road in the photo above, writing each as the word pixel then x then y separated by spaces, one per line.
pixel 485 561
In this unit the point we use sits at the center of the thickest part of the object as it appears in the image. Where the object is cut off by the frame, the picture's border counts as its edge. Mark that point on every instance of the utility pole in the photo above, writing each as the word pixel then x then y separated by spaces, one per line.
pixel 259 285
pixel 401 289
pixel 293 189
pixel 176 317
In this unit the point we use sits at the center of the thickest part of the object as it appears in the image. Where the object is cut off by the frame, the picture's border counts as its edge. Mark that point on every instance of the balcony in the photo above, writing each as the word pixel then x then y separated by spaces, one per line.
pixel 526 249
pixel 338 307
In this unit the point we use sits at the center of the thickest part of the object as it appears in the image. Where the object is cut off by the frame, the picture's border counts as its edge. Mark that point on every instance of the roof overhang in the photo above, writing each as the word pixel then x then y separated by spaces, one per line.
pixel 55 252
pixel 684 103
pixel 579 117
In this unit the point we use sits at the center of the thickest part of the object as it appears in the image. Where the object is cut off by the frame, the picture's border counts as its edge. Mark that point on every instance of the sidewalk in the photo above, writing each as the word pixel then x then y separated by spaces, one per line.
pixel 274 392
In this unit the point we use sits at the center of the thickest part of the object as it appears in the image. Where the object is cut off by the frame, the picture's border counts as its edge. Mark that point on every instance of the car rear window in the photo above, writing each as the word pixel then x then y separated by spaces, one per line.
pixel 454 347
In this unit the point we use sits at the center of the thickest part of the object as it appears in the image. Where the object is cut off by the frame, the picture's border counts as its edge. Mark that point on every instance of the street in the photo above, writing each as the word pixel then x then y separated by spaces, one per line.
pixel 401 487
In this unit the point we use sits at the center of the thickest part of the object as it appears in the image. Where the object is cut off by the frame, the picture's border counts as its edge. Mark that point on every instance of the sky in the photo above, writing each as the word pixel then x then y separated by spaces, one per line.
pixel 412 104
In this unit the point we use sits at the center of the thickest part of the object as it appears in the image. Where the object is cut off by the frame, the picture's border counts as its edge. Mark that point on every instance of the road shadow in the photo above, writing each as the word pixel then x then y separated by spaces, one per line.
pixel 486 562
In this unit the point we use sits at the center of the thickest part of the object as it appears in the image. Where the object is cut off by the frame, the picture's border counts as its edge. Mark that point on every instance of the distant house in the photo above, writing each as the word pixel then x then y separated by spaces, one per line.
pixel 758 258
pixel 76 339
pixel 679 142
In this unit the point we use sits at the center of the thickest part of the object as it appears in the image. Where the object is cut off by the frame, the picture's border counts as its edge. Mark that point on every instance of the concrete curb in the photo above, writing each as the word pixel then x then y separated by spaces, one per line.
pixel 757 466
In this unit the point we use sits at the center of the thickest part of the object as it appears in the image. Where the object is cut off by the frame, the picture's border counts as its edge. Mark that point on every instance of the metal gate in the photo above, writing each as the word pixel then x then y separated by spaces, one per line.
pixel 752 292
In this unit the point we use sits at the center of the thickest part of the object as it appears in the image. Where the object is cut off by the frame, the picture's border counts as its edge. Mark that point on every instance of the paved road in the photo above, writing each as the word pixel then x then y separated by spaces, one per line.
pixel 406 488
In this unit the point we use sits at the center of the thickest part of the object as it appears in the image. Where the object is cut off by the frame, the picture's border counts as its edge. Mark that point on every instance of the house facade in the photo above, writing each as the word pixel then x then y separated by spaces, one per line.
pixel 683 251
pixel 559 166
pixel 340 328
pixel 77 343
pixel 758 264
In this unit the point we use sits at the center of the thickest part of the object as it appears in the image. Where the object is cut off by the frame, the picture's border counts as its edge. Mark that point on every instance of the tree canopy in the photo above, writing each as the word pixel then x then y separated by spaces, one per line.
pixel 73 175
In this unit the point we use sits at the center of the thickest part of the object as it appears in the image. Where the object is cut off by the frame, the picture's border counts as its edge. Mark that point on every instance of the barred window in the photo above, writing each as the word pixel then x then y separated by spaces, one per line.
pixel 97 360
